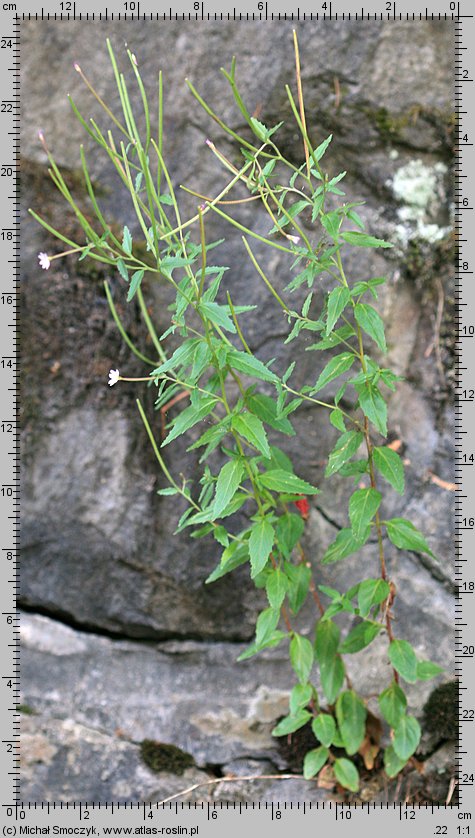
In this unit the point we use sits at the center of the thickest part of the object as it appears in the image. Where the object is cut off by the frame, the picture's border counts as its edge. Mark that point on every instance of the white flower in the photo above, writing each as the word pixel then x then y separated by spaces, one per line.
pixel 294 239
pixel 114 376
pixel 44 260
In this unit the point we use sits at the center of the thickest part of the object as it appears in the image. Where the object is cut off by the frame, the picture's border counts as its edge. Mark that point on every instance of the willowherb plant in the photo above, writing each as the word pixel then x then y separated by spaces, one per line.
pixel 213 359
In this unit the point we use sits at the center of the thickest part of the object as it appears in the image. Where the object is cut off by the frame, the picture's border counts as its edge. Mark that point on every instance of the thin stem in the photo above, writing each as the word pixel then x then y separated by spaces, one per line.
pixel 300 95
pixel 121 329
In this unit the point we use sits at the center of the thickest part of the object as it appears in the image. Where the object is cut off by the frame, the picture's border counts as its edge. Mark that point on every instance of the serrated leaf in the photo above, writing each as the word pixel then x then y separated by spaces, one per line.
pixel 127 241
pixel 346 446
pixel 278 480
pixel 392 763
pixel 233 556
pixel 344 545
pixel 347 774
pixel 364 503
pixel 327 639
pixel 301 657
pixel 314 761
pixel 252 429
pixel 374 407
pixel 335 367
pixel 135 282
pixel 188 418
pixel 337 420
pixel 338 299
pixel 331 221
pixel 253 649
pixel 403 659
pixel 369 320
pixel 363 240
pixel 289 530
pixel 361 636
pixel 276 587
pixel 247 364
pixel 427 670
pixel 351 718
pixel 267 622
pixel 218 314
pixel 122 268
pixel 406 536
pixel 321 149
pixel 260 545
pixel 371 592
pixel 266 409
pixel 407 736
pixel 324 728
pixel 300 696
pixel 392 702
pixel 389 464
pixel 292 723
pixel 299 580
pixel 228 482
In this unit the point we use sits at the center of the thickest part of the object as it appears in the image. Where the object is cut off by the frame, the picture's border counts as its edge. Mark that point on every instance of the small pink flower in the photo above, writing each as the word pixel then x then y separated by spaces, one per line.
pixel 44 260
pixel 294 239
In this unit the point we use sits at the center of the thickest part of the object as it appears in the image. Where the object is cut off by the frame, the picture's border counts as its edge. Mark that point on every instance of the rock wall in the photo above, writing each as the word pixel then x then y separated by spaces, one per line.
pixel 135 645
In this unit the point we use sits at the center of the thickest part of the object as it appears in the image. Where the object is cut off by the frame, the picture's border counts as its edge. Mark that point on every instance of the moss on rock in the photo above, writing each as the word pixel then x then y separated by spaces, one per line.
pixel 162 757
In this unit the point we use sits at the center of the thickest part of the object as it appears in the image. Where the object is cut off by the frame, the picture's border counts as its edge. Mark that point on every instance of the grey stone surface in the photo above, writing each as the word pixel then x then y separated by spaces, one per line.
pixel 97 544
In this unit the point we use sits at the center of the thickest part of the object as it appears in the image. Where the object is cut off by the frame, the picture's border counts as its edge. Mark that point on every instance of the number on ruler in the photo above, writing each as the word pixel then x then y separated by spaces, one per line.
pixel 7 107
pixel 66 7
pixel 6 171
pixel 6 43
pixel 130 7
pixel 389 6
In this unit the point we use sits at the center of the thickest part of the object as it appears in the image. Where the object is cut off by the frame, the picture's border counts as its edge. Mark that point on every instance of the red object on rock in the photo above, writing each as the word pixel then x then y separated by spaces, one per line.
pixel 303 507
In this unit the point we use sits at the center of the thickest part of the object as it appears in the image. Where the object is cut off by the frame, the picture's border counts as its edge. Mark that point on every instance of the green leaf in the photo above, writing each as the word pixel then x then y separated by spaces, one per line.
pixel 371 592
pixel 361 636
pixel 345 543
pixel 364 503
pixel 332 675
pixel 253 649
pixel 196 412
pixel 392 763
pixel 337 420
pixel 403 659
pixel 278 480
pixel 228 482
pixel 321 149
pixel 363 240
pixel 407 736
pixel 327 639
pixel 299 580
pixel 301 657
pixel 389 464
pixel 338 299
pixel 266 409
pixel 122 268
pixel 218 315
pixel 135 281
pixel 314 760
pixel 427 670
pixel 347 774
pixel 324 728
pixel 182 357
pixel 276 587
pixel 346 446
pixel 260 545
pixel 335 367
pixel 393 703
pixel 234 556
pixel 373 406
pixel 168 491
pixel 252 429
pixel 267 622
pixel 127 241
pixel 247 364
pixel 406 536
pixel 289 530
pixel 351 718
pixel 331 221
pixel 368 318
pixel 300 696
pixel 292 723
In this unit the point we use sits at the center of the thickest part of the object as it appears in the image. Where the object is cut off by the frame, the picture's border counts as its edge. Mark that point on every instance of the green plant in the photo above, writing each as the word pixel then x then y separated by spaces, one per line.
pixel 208 367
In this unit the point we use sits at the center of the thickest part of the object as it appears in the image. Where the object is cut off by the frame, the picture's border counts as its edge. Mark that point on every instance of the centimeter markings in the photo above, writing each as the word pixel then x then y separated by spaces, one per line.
pixel 9 492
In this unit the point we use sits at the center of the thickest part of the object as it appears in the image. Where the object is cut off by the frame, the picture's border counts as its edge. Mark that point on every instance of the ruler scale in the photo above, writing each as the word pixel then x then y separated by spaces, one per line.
pixel 177 817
